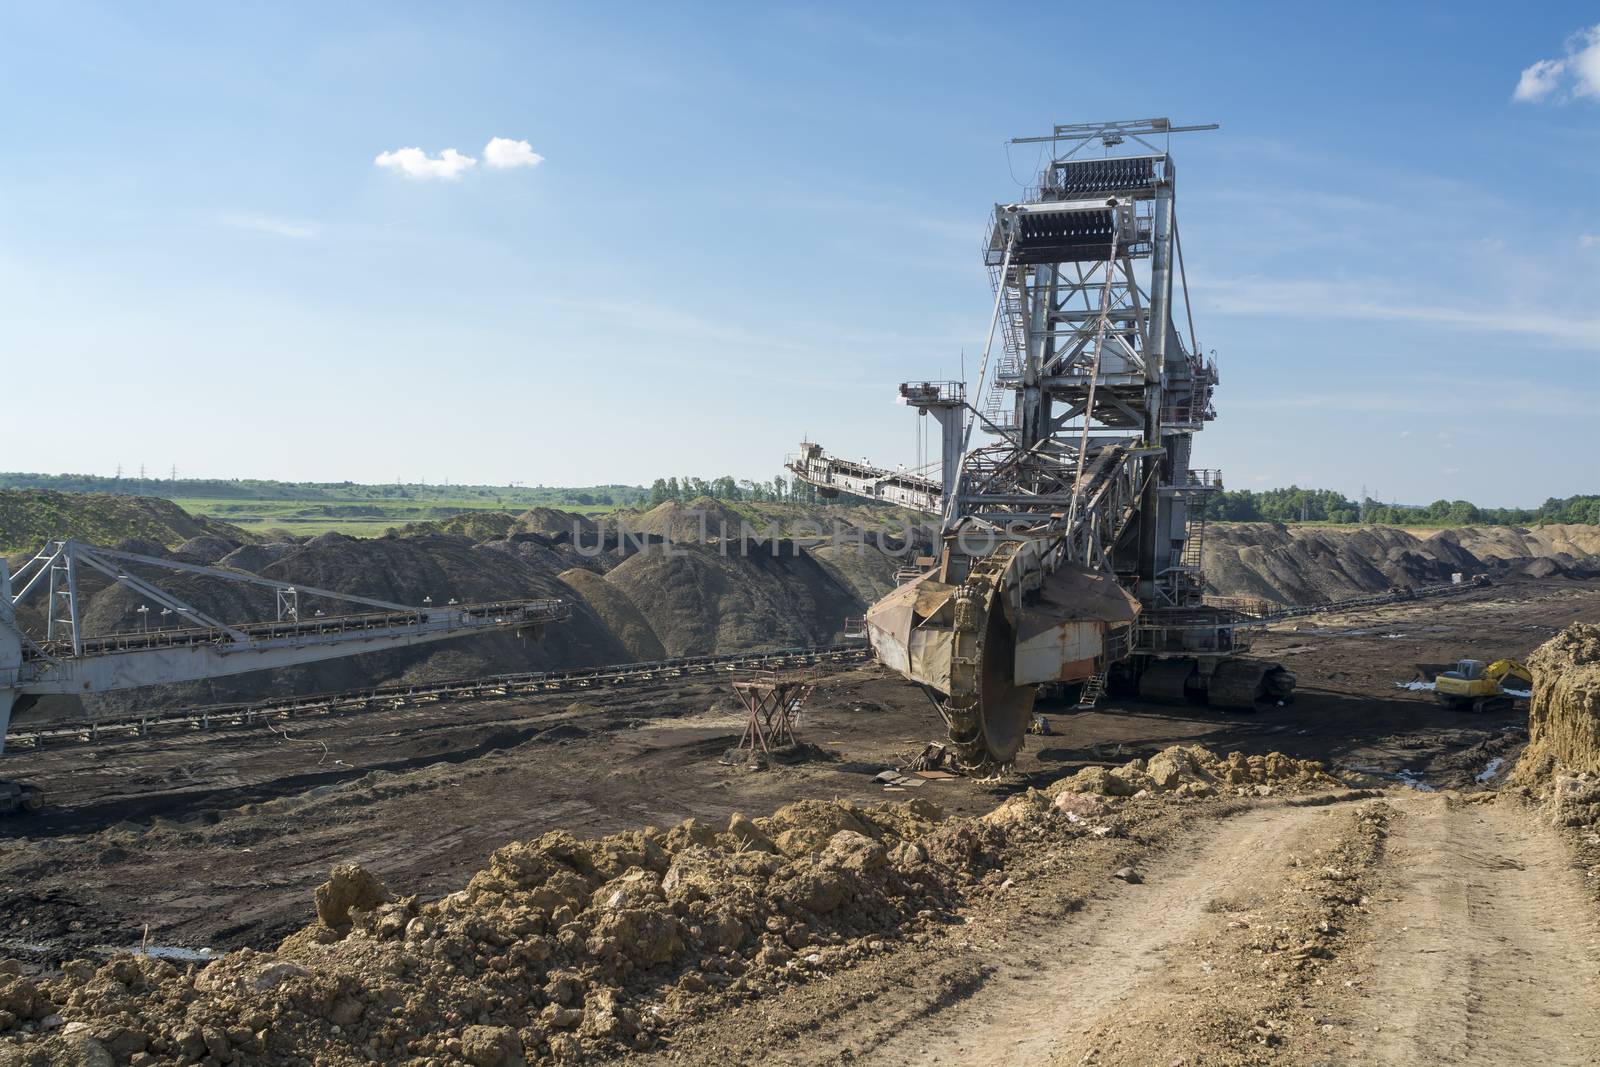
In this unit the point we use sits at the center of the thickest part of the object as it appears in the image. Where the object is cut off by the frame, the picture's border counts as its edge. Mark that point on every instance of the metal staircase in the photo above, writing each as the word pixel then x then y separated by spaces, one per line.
pixel 1092 691
pixel 1008 368
pixel 1195 540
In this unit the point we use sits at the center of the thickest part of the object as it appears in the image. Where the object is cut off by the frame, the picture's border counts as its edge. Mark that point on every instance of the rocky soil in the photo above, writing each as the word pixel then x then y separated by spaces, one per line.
pixel 562 949
pixel 1560 769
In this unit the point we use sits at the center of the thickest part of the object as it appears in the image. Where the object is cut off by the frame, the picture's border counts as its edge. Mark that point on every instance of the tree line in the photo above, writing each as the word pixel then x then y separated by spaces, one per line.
pixel 779 490
pixel 1324 505
pixel 267 489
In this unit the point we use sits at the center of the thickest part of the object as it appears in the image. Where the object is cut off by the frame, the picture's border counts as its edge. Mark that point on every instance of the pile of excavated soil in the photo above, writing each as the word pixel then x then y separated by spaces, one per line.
pixel 699 520
pixel 1564 715
pixel 704 519
pixel 863 568
pixel 1310 565
pixel 621 616
pixel 1180 771
pixel 563 949
pixel 1561 764
pixel 704 599
pixel 1318 564
pixel 1189 770
pixel 30 517
pixel 1574 540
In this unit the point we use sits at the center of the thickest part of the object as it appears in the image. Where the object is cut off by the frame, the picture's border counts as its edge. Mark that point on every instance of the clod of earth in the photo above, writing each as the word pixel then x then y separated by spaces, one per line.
pixel 349 887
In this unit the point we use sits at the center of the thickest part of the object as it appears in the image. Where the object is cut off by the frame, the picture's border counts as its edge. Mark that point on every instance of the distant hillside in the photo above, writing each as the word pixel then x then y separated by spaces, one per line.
pixel 1317 564
pixel 477 496
pixel 30 517
pixel 306 509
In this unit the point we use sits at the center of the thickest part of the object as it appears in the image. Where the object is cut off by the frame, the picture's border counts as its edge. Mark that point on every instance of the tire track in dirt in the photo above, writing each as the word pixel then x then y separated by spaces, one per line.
pixel 1120 949
pixel 1483 946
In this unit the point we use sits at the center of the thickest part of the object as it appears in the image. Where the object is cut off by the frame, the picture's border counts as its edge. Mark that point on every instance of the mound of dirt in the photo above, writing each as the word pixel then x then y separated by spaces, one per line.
pixel 1314 565
pixel 558 949
pixel 254 557
pixel 863 568
pixel 204 550
pixel 1564 716
pixel 30 517
pixel 472 525
pixel 1318 564
pixel 557 525
pixel 701 601
pixel 1510 542
pixel 1188 770
pixel 620 615
pixel 1561 764
pixel 699 520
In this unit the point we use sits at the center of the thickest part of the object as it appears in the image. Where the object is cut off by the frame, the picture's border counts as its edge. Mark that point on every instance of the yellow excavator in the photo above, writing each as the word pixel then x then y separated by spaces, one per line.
pixel 1473 686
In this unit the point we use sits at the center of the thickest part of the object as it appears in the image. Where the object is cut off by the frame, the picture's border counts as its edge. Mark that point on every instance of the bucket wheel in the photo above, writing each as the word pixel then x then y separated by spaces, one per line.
pixel 988 714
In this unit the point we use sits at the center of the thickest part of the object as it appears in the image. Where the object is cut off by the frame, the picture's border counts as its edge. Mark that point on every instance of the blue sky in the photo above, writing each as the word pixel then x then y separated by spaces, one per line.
pixel 748 223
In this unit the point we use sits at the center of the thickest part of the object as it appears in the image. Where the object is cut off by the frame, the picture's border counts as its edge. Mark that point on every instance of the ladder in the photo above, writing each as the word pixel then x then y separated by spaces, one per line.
pixel 1093 690
pixel 1194 543
pixel 996 401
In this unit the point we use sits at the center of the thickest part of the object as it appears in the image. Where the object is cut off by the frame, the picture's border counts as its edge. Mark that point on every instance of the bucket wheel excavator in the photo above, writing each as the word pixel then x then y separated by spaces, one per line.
pixel 1070 534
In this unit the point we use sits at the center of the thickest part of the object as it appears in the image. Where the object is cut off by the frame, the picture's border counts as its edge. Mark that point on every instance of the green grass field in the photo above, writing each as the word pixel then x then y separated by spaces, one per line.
pixel 355 517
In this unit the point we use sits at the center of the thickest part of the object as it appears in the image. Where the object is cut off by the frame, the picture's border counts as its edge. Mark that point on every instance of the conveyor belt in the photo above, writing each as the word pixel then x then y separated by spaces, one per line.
pixel 401 695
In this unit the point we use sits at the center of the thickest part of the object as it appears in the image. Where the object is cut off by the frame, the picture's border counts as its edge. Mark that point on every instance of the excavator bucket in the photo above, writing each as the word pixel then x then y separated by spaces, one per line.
pixel 909 630
pixel 963 644
pixel 1063 633
pixel 957 643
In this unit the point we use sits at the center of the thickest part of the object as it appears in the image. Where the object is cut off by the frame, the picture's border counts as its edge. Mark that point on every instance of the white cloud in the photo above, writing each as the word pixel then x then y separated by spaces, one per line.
pixel 299 231
pixel 415 163
pixel 1577 72
pixel 1539 80
pixel 1589 240
pixel 502 153
pixel 1586 64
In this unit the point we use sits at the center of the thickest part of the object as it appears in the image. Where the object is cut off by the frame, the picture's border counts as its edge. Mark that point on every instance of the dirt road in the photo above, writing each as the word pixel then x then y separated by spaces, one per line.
pixel 1482 947
pixel 1413 928
pixel 1129 948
